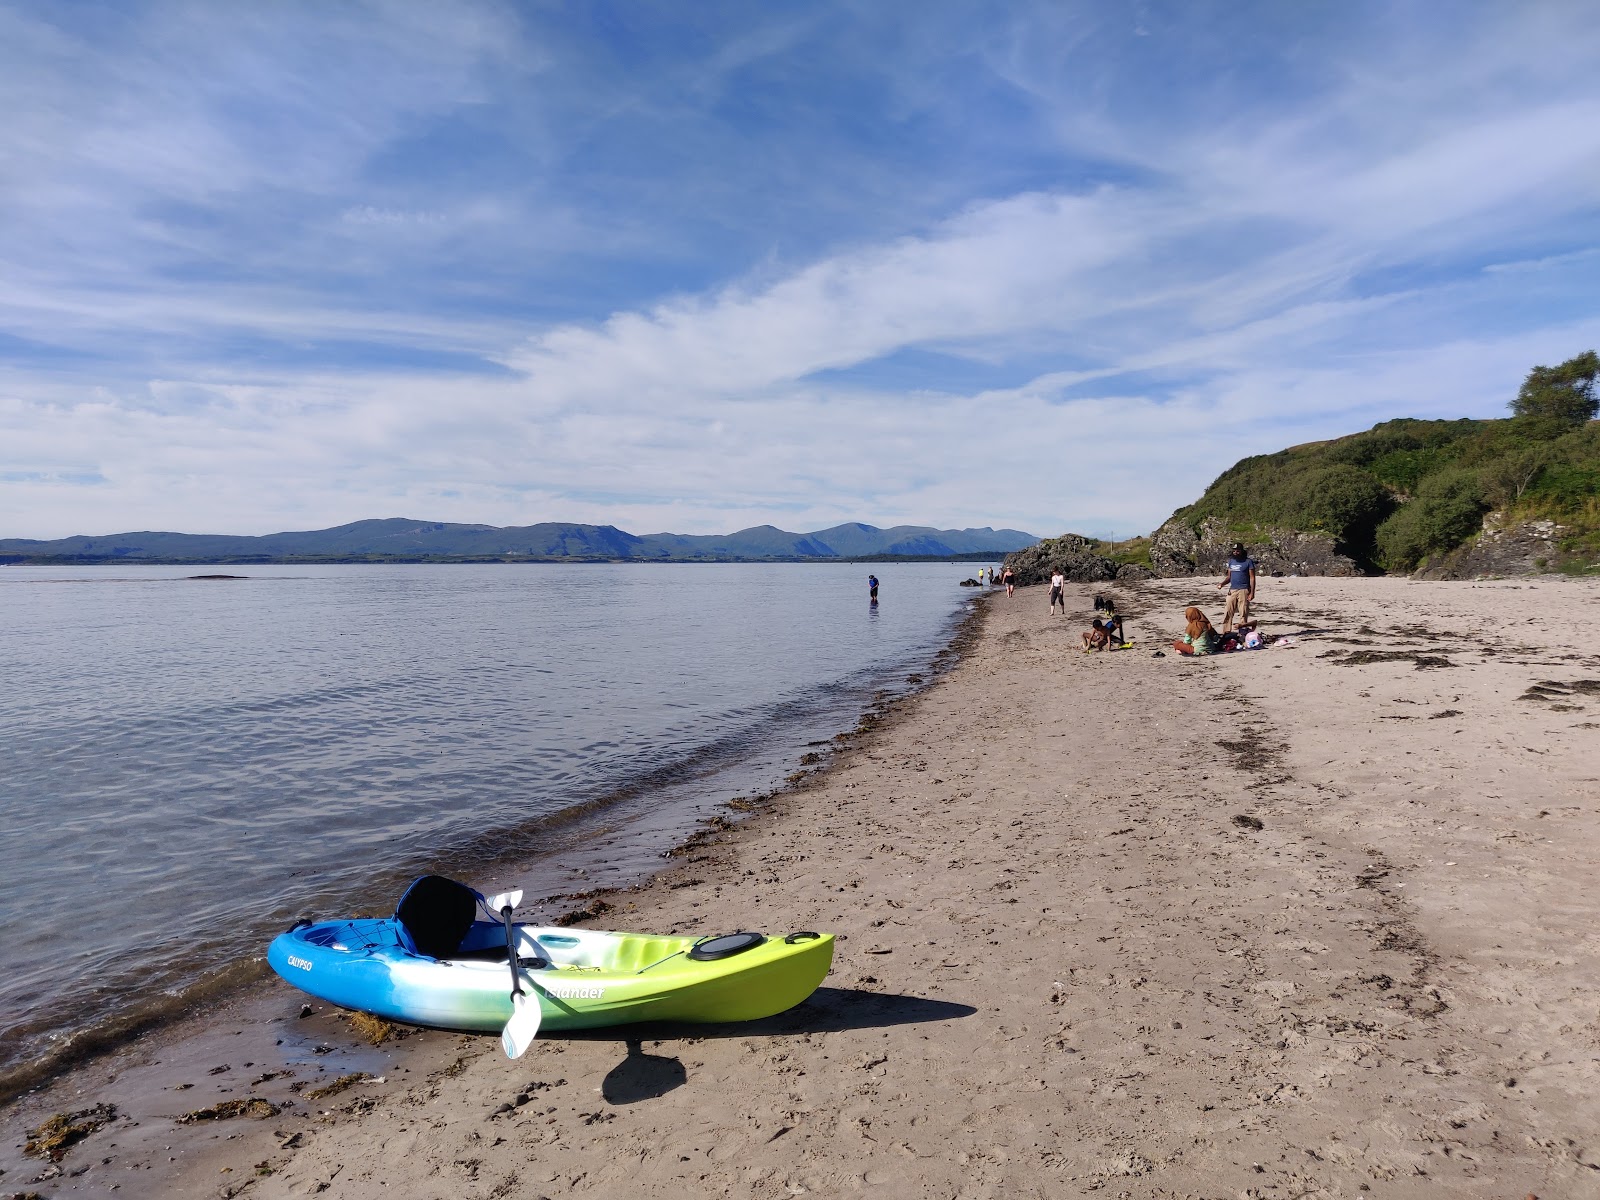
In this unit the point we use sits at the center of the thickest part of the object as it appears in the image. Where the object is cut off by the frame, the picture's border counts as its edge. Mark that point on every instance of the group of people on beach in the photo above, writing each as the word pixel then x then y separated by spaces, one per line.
pixel 1238 632
pixel 998 578
pixel 1200 636
pixel 1105 633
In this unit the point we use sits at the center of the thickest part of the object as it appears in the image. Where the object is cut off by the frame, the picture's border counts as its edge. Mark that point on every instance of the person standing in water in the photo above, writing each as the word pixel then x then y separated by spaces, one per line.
pixel 872 588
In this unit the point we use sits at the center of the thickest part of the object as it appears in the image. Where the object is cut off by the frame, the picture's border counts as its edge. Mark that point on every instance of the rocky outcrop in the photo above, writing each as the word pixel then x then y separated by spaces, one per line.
pixel 1178 549
pixel 1074 556
pixel 1503 548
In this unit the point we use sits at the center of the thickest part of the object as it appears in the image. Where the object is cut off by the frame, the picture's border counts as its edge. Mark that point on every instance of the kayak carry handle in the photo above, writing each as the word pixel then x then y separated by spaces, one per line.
pixel 804 935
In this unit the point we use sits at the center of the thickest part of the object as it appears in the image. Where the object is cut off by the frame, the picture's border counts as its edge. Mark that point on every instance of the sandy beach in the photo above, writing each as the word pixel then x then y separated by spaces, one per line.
pixel 1318 920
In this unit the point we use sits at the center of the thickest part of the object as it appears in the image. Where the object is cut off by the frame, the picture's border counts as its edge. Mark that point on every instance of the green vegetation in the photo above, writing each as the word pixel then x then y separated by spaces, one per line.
pixel 1564 393
pixel 1133 552
pixel 1406 491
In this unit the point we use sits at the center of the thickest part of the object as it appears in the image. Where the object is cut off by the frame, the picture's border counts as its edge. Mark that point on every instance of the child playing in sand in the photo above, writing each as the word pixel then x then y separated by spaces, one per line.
pixel 1097 638
pixel 1199 636
pixel 1106 607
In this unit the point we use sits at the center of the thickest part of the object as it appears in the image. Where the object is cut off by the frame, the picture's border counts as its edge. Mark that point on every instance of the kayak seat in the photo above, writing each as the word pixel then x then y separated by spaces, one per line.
pixel 434 916
pixel 485 954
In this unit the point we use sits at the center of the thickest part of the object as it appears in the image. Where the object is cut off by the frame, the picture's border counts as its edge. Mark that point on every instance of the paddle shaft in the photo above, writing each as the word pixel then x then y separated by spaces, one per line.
pixel 511 951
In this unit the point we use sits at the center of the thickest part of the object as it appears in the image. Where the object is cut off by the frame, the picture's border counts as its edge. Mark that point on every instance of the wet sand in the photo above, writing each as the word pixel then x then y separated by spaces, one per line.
pixel 1309 921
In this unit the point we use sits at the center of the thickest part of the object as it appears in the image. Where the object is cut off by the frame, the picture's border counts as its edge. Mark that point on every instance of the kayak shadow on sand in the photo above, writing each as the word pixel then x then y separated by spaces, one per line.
pixel 642 1076
pixel 826 1010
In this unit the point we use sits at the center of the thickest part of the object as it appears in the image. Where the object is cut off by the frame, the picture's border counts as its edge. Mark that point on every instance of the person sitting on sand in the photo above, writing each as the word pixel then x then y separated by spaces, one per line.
pixel 1098 638
pixel 1199 636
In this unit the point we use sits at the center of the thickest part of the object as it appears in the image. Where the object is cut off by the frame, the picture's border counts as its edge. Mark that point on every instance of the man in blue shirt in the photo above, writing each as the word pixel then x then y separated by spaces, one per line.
pixel 1241 584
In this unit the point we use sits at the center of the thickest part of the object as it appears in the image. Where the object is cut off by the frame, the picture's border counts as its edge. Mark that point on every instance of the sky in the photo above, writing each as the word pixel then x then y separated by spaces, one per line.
pixel 696 266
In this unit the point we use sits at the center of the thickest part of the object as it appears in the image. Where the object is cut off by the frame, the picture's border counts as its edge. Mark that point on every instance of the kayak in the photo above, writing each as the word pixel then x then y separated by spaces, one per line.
pixel 425 967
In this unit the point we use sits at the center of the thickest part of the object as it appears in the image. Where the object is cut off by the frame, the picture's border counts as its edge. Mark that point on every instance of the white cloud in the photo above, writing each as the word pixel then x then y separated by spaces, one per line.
pixel 1299 271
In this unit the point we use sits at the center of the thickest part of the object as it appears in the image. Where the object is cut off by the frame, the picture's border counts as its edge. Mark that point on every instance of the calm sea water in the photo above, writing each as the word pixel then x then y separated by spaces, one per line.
pixel 186 766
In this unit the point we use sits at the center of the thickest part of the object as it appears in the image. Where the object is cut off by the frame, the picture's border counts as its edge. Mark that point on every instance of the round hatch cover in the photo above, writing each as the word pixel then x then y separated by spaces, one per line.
pixel 713 948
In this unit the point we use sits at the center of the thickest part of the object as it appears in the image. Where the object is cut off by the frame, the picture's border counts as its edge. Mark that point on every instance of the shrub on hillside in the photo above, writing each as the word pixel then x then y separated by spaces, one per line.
pixel 1448 509
pixel 1398 453
pixel 1342 500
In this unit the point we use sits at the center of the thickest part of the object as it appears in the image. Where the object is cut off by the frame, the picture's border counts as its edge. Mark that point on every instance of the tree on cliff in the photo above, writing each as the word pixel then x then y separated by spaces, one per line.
pixel 1565 393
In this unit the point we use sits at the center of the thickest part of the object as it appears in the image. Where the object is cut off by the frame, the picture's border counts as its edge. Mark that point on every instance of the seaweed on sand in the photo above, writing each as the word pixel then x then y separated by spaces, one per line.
pixel 228 1109
pixel 59 1133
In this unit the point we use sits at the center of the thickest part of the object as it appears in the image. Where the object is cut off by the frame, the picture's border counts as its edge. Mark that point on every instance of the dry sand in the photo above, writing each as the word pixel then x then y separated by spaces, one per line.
pixel 1302 922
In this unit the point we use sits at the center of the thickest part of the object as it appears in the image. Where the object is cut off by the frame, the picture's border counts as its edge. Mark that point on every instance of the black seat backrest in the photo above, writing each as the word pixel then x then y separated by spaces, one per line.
pixel 435 914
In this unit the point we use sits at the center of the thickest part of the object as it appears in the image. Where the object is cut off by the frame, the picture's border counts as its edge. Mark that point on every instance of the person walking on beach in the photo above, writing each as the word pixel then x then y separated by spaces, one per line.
pixel 1058 594
pixel 1010 581
pixel 1241 584
pixel 872 588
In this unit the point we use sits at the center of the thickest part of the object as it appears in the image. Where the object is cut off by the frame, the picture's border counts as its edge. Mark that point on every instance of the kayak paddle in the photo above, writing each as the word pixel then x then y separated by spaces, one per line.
pixel 523 1026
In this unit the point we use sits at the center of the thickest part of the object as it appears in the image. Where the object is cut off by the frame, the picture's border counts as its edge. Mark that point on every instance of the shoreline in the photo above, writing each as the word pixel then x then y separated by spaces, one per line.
pixel 1300 921
pixel 157 1052
pixel 615 839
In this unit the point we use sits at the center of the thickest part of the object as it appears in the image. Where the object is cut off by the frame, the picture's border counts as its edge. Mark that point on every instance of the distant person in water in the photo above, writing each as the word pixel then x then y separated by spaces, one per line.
pixel 1199 636
pixel 1241 584
pixel 872 587
pixel 1058 583
pixel 1010 581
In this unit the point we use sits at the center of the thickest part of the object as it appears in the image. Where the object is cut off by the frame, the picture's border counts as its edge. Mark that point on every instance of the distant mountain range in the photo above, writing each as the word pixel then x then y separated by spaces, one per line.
pixel 399 539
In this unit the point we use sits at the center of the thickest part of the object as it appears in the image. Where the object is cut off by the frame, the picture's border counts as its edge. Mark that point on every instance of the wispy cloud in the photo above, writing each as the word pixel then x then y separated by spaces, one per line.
pixel 290 266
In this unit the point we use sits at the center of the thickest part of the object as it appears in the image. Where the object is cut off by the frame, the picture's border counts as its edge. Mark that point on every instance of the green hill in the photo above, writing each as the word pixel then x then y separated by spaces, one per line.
pixel 1406 494
pixel 1447 499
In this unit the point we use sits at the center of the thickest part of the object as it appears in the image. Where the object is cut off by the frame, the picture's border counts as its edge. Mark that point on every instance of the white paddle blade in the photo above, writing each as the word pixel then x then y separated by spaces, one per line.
pixel 523 1027
pixel 495 903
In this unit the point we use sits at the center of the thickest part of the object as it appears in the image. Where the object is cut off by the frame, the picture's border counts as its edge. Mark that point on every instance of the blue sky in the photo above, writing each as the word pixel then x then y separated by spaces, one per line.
pixel 697 266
